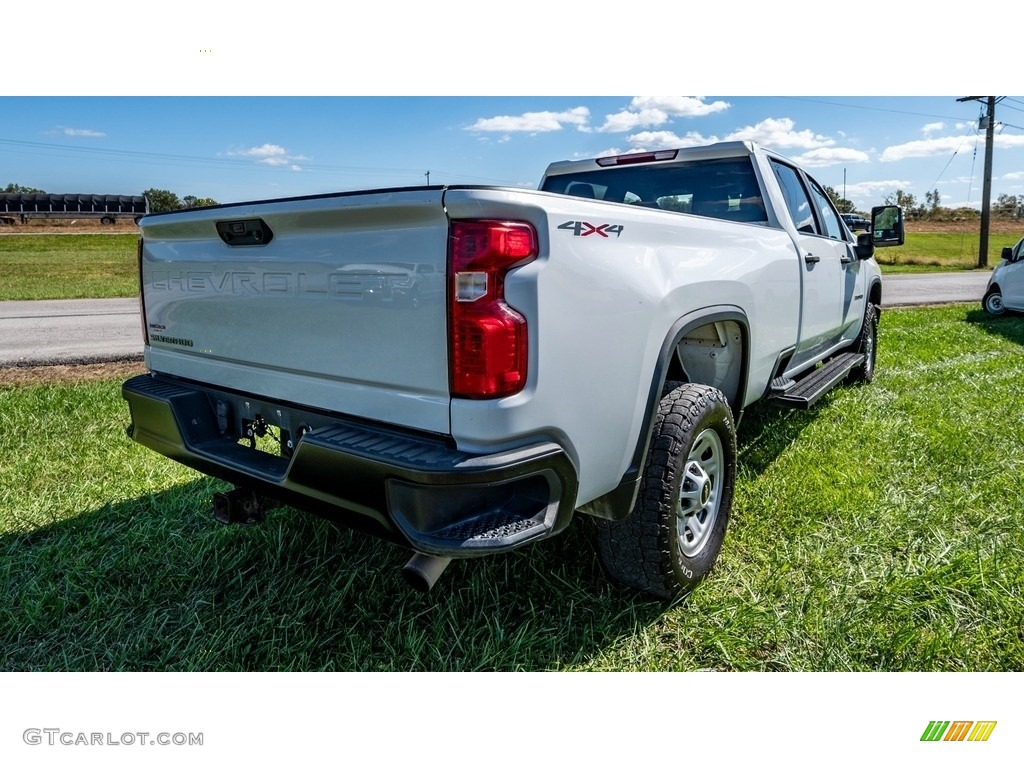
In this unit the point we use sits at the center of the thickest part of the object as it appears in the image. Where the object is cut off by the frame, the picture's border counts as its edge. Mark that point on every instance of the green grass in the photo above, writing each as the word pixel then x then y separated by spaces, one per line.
pixel 68 266
pixel 879 531
pixel 941 252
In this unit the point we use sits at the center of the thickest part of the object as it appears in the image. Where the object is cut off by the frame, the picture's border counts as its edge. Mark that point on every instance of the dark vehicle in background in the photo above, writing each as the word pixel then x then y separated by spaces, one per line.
pixel 855 221
pixel 19 207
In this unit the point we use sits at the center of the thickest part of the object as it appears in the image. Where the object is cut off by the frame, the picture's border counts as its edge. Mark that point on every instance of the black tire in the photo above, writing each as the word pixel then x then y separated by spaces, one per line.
pixel 867 344
pixel 673 535
pixel 993 301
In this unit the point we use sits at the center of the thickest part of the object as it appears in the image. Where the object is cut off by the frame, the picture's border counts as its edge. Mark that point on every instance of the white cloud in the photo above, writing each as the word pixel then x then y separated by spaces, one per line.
pixel 627 121
pixel 651 140
pixel 77 132
pixel 84 132
pixel 826 156
pixel 534 122
pixel 678 106
pixel 778 133
pixel 270 154
pixel 650 111
pixel 875 188
pixel 943 145
pixel 1013 176
pixel 1008 140
pixel 946 145
pixel 775 133
pixel 932 128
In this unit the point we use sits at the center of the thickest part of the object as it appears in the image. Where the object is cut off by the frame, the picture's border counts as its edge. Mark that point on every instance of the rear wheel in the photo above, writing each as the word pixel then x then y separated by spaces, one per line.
pixel 993 302
pixel 674 533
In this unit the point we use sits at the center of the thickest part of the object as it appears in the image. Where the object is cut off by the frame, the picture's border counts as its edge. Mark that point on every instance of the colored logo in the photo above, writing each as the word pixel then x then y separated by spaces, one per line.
pixel 958 730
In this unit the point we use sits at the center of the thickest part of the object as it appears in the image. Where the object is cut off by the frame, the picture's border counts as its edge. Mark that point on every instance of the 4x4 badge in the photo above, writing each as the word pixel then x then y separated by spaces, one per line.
pixel 584 228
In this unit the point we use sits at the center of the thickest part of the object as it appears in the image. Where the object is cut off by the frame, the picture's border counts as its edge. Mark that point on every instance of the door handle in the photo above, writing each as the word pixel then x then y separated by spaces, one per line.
pixel 810 258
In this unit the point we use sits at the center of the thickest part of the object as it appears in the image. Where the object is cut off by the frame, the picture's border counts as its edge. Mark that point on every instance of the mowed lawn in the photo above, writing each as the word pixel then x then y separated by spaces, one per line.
pixel 68 266
pixel 879 531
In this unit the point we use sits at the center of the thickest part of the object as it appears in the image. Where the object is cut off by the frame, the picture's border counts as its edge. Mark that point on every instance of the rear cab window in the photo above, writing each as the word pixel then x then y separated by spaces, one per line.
pixel 722 189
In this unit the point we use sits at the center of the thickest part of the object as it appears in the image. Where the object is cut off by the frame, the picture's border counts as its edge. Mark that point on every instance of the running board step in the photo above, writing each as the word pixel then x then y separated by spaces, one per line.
pixel 806 391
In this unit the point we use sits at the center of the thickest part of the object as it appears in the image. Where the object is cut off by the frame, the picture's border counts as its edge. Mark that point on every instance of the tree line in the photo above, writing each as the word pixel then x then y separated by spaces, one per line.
pixel 159 199
pixel 1003 207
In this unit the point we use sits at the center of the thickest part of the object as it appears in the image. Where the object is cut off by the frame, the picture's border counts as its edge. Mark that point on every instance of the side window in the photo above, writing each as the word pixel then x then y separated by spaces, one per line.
pixel 797 202
pixel 826 215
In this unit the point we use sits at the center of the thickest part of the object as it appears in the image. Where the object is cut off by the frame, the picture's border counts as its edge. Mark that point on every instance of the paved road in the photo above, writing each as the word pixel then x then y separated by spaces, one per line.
pixel 75 331
pixel 95 330
pixel 934 288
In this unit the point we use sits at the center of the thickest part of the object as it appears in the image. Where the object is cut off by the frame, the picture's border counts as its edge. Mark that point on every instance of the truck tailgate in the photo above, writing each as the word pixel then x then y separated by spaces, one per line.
pixel 334 302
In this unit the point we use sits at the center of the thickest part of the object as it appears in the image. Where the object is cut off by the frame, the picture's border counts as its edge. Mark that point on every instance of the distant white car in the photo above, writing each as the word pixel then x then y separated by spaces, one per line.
pixel 1006 286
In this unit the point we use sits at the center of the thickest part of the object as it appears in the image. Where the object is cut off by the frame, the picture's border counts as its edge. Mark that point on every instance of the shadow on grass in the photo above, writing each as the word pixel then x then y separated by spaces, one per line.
pixel 766 430
pixel 1010 325
pixel 155 584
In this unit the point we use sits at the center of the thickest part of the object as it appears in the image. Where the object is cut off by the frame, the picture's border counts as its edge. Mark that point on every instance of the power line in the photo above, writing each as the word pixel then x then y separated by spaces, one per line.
pixel 163 158
pixel 949 162
pixel 873 109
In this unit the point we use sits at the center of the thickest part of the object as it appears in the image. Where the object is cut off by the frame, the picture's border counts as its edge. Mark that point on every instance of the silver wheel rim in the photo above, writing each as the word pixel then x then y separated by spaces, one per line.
pixel 995 303
pixel 700 493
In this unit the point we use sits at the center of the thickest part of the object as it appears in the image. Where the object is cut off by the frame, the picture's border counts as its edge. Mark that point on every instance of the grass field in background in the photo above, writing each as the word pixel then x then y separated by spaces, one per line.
pixel 942 251
pixel 57 266
pixel 879 531
pixel 84 266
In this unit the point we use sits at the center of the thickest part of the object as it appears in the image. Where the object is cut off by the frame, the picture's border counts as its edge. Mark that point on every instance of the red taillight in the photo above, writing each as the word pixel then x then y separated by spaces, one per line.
pixel 487 339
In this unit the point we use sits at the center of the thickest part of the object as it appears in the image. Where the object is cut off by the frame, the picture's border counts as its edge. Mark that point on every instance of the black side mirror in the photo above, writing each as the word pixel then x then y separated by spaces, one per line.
pixel 1007 254
pixel 887 226
pixel 865 249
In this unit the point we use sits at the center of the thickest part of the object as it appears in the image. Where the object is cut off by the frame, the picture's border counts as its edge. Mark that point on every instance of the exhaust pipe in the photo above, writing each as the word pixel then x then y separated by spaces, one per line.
pixel 423 571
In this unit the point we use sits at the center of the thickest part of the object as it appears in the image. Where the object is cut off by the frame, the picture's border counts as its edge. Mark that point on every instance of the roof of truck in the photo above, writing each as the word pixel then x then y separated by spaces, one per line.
pixel 707 151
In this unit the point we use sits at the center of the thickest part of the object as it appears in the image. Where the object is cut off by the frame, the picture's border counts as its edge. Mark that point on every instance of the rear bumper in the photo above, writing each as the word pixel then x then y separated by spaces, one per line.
pixel 412 488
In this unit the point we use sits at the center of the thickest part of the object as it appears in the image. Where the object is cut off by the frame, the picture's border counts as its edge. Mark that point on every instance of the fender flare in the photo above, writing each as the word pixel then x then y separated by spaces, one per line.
pixel 617 503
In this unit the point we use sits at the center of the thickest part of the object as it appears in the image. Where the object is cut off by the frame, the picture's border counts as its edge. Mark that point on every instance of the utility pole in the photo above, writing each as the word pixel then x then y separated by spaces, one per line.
pixel 428 178
pixel 989 123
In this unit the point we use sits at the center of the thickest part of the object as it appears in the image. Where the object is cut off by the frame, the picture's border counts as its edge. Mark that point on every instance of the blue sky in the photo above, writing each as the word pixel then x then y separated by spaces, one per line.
pixel 244 148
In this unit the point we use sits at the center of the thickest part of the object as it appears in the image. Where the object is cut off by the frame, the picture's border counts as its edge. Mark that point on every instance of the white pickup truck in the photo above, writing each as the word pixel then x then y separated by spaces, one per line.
pixel 463 369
